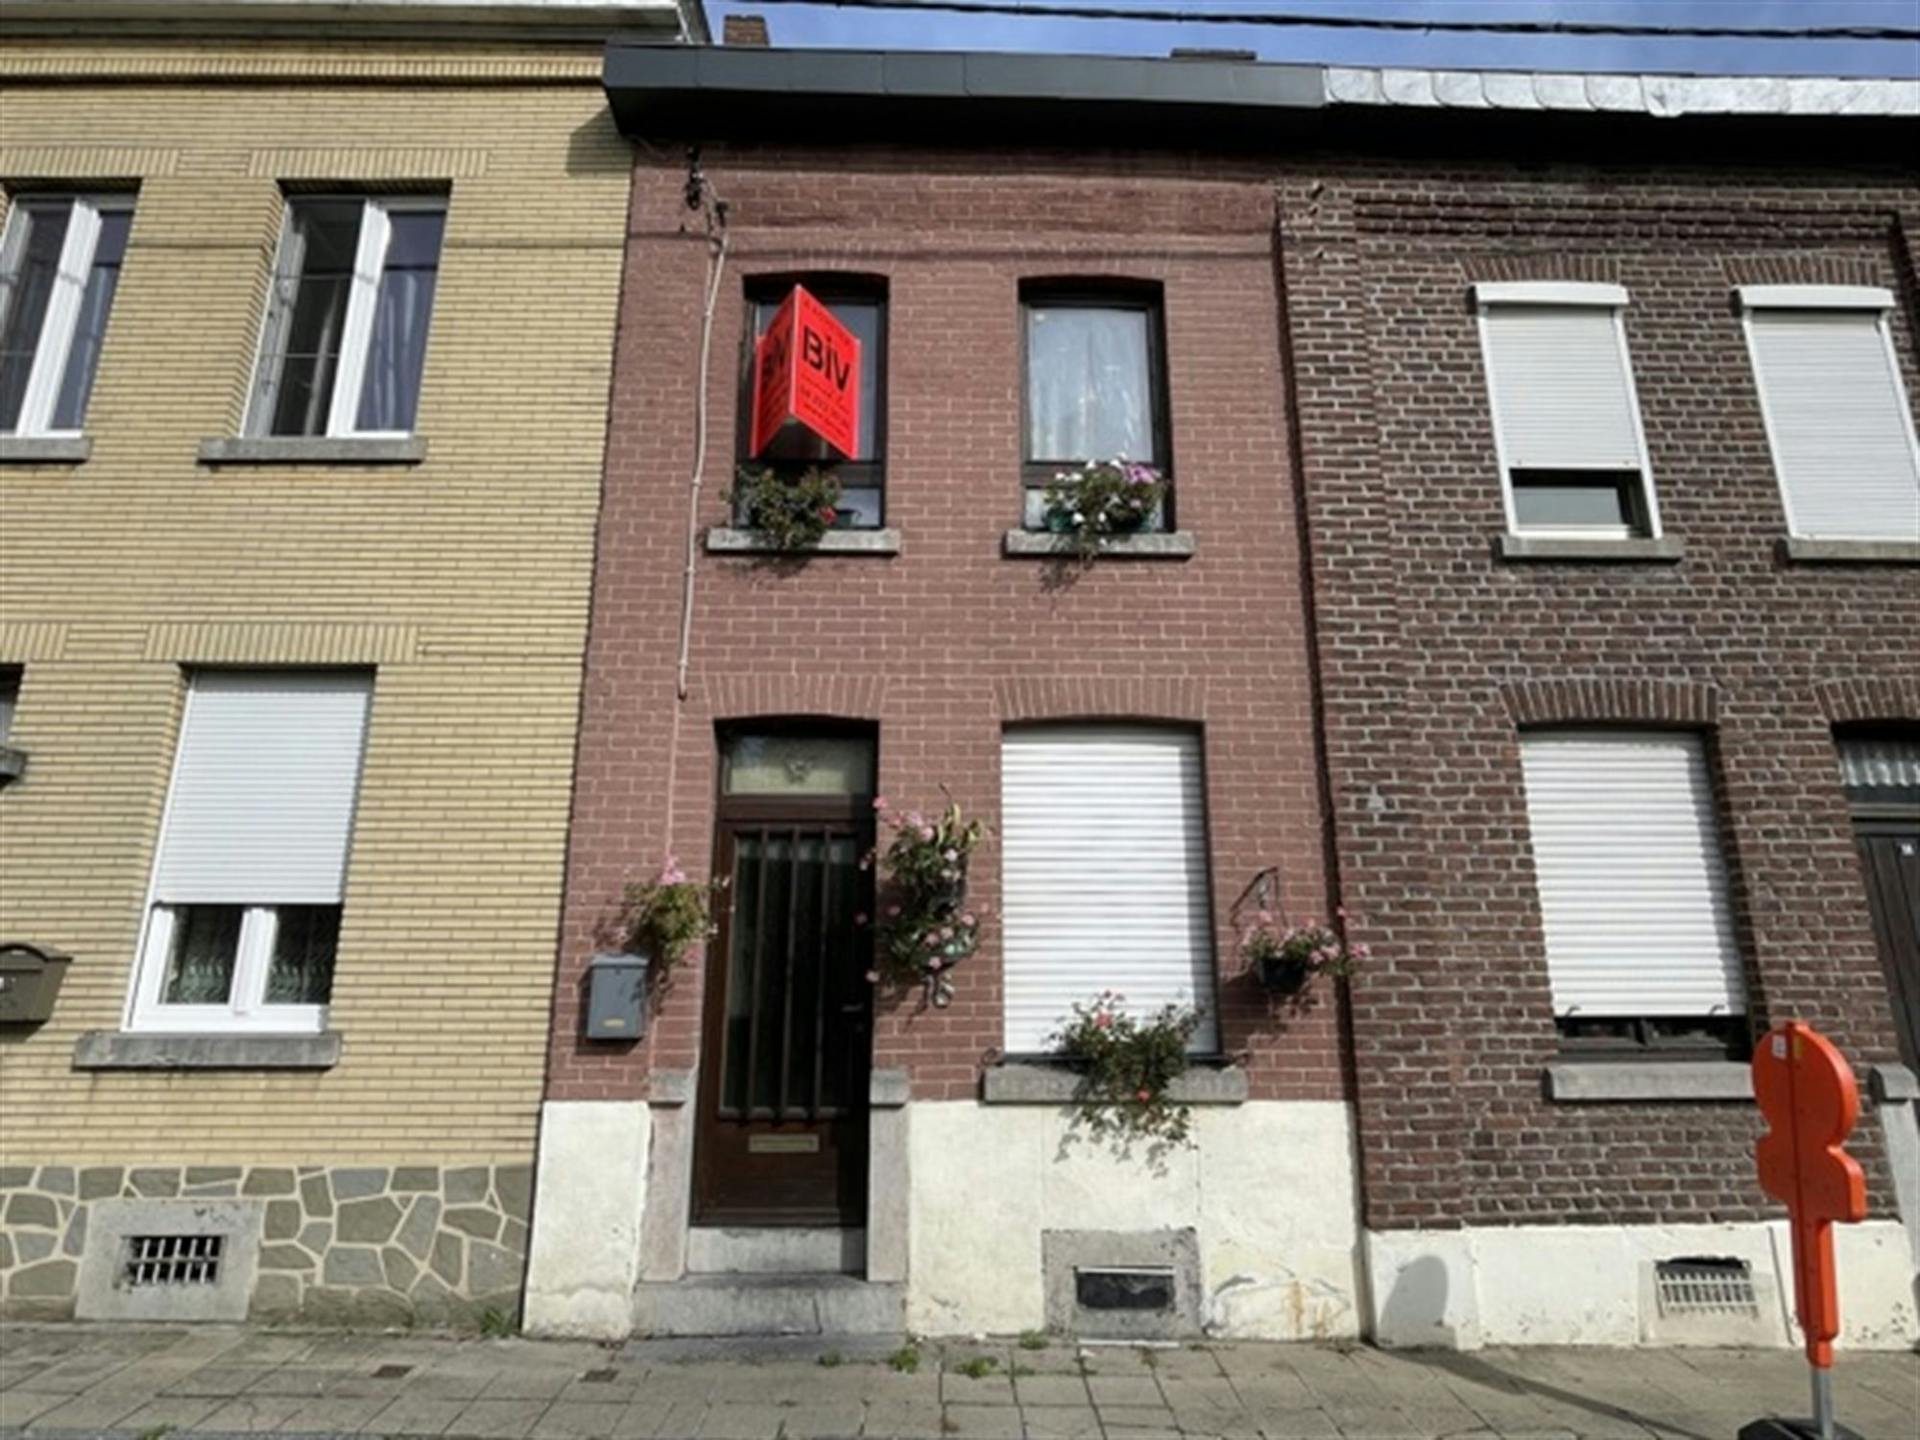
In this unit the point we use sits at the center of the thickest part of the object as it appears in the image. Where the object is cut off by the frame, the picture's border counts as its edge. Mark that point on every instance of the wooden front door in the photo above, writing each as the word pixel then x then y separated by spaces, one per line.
pixel 786 1042
pixel 1890 853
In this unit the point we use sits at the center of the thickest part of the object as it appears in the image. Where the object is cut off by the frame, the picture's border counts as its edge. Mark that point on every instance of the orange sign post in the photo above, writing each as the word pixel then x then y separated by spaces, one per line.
pixel 807 368
pixel 1808 1094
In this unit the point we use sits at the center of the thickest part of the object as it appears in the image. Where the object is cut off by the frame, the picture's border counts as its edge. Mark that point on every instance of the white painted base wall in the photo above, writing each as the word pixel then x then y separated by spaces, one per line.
pixel 584 1257
pixel 1589 1285
pixel 1268 1187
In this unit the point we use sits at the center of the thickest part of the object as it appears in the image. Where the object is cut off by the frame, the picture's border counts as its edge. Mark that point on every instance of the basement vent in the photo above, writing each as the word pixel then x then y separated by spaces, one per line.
pixel 1141 1289
pixel 172 1260
pixel 1704 1285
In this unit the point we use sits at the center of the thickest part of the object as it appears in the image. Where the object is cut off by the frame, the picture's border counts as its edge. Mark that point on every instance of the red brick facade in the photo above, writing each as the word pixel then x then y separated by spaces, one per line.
pixel 949 641
pixel 1433 654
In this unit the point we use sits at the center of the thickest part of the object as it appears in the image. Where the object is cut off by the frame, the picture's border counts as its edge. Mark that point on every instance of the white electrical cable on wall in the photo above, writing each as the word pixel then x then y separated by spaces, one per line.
pixel 718 265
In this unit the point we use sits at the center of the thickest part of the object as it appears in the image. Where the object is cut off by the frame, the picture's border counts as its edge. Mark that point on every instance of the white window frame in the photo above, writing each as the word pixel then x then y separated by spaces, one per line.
pixel 246 1010
pixel 356 330
pixel 54 343
pixel 1820 297
pixel 1560 294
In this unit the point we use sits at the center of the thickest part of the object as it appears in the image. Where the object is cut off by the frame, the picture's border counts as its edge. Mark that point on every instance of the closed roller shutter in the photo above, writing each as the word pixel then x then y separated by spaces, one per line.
pixel 1837 415
pixel 1633 888
pixel 1104 876
pixel 263 790
pixel 1561 393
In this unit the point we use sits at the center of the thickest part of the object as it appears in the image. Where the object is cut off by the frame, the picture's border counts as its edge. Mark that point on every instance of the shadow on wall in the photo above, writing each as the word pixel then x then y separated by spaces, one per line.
pixel 597 148
pixel 1415 1312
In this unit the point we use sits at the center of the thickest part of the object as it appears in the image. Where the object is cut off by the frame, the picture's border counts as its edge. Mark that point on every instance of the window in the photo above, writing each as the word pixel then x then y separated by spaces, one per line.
pixel 1095 386
pixel 861 306
pixel 346 329
pixel 59 266
pixel 244 917
pixel 1633 888
pixel 1836 411
pixel 9 698
pixel 1566 420
pixel 1104 875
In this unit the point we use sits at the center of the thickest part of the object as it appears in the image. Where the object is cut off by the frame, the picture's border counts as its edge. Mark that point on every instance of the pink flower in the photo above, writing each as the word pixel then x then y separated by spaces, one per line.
pixel 873 977
pixel 893 912
pixel 859 917
pixel 879 802
pixel 968 920
pixel 946 932
pixel 1143 1095
pixel 950 856
pixel 915 819
pixel 926 832
pixel 671 873
pixel 1360 952
pixel 935 963
pixel 1103 1021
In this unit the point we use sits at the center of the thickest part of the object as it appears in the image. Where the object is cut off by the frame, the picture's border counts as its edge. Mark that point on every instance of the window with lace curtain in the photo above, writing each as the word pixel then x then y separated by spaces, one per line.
pixel 244 917
pixel 345 340
pixel 1095 364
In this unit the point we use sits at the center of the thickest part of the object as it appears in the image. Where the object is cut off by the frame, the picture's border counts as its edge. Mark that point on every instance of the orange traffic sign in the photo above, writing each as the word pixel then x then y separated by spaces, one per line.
pixel 1808 1094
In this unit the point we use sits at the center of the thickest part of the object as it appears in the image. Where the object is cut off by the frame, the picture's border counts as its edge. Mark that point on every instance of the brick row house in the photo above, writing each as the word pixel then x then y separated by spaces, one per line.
pixel 1533 585
pixel 307 327
pixel 395 432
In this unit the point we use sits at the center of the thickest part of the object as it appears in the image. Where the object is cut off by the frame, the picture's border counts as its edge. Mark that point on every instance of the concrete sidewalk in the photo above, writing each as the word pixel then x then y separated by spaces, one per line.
pixel 157 1381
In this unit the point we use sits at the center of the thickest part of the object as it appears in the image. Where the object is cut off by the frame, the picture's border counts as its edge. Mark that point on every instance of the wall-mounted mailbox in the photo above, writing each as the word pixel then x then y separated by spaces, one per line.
pixel 617 997
pixel 29 979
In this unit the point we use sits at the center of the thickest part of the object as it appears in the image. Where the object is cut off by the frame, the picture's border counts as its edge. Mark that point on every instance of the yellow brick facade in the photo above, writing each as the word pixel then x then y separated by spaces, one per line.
pixel 464 579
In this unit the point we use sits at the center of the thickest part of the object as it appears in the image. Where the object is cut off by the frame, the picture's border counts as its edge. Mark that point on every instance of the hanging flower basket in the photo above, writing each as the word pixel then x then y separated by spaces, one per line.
pixel 926 925
pixel 1285 958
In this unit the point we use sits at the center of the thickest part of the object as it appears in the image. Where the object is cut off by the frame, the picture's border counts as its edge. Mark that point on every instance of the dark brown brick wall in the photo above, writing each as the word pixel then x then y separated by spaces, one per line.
pixel 1432 652
pixel 947 642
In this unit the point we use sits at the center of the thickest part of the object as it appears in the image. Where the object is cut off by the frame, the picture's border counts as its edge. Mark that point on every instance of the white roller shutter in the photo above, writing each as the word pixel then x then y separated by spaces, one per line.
pixel 1104 875
pixel 1633 889
pixel 261 809
pixel 1562 397
pixel 1837 415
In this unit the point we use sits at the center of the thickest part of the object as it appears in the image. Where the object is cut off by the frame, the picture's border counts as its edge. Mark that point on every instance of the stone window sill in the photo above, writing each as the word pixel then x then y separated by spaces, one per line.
pixel 119 1050
pixel 309 450
pixel 724 541
pixel 1017 1082
pixel 1580 1082
pixel 1849 552
pixel 1044 544
pixel 45 449
pixel 1665 550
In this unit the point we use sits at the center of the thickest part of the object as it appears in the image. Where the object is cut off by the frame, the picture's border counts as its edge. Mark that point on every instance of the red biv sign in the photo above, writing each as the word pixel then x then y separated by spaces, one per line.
pixel 807 368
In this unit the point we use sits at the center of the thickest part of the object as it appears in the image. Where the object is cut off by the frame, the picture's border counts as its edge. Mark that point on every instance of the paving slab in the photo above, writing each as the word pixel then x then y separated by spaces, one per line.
pixel 414 1415
pixel 659 1419
pixel 987 1422
pixel 251 1414
pixel 1061 1422
pixel 568 1419
pixel 17 1407
pixel 823 1422
pixel 737 1420
pixel 493 1419
pixel 906 1420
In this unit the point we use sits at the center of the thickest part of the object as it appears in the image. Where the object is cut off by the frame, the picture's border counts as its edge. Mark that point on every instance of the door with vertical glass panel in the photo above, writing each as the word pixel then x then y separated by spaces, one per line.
pixel 786 1043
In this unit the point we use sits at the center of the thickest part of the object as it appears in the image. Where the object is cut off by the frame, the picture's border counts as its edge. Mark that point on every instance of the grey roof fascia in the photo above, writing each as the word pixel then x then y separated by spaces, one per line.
pixel 751 93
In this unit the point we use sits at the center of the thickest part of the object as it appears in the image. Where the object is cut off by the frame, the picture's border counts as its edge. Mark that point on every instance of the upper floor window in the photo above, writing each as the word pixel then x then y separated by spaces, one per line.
pixel 1566 420
pixel 59 266
pixel 1104 877
pixel 1095 363
pixel 1836 410
pixel 861 306
pixel 1633 888
pixel 245 910
pixel 346 328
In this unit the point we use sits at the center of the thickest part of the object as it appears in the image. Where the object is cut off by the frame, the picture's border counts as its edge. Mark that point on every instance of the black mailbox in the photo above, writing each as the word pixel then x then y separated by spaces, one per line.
pixel 29 979
pixel 616 997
